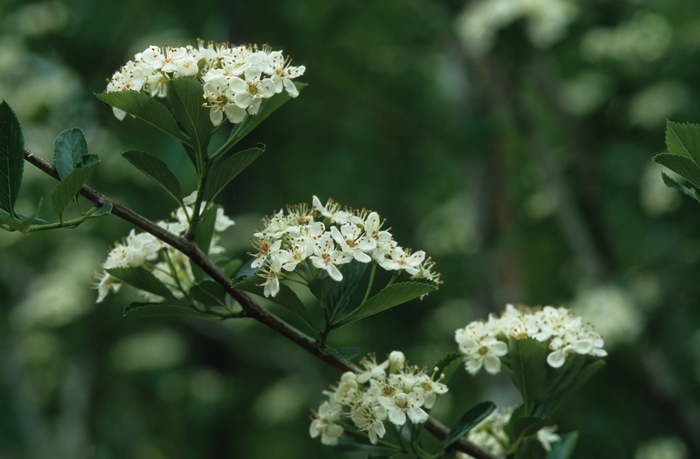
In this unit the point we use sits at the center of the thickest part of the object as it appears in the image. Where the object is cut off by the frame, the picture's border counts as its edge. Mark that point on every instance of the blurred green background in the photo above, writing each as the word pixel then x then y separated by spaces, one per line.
pixel 509 139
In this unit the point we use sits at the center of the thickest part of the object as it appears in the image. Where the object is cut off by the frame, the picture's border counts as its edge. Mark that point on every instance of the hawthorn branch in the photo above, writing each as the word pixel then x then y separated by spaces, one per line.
pixel 250 308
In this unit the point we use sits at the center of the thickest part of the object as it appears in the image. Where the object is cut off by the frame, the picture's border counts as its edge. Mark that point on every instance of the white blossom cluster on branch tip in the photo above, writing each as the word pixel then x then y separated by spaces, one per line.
pixel 167 264
pixel 484 343
pixel 311 241
pixel 491 436
pixel 390 391
pixel 236 78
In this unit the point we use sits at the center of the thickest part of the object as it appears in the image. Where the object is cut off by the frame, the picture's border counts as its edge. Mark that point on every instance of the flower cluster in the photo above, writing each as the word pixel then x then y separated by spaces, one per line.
pixel 236 78
pixel 167 264
pixel 490 434
pixel 484 343
pixel 391 390
pixel 317 240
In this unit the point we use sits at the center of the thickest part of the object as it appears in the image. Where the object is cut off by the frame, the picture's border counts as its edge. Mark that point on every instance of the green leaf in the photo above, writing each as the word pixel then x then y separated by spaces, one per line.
pixel 524 426
pixel 225 171
pixel 285 297
pixel 164 309
pixel 186 96
pixel 11 158
pixel 467 421
pixel 341 353
pixel 205 229
pixel 447 366
pixel 527 365
pixel 340 294
pixel 267 107
pixel 105 209
pixel 692 192
pixel 232 267
pixel 680 165
pixel 320 287
pixel 683 140
pixel 146 109
pixel 70 152
pixel 208 293
pixel 564 448
pixel 142 280
pixel 391 296
pixel 157 171
pixel 65 191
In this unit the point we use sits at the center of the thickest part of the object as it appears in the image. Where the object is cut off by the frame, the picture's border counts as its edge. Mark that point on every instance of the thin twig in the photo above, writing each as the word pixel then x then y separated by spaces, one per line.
pixel 250 308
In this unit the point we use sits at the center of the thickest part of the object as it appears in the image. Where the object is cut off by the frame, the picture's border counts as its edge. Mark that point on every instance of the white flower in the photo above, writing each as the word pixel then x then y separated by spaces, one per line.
pixel 326 256
pixel 325 424
pixel 546 437
pixel 401 404
pixel 369 418
pixel 479 343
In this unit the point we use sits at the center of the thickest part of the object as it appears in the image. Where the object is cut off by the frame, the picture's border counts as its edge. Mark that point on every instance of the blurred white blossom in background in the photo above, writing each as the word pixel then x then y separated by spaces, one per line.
pixel 662 448
pixel 546 21
pixel 151 350
pixel 586 92
pixel 656 198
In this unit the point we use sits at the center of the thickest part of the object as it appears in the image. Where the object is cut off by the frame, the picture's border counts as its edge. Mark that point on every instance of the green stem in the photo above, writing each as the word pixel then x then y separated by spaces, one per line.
pixel 64 224
pixel 197 212
pixel 371 281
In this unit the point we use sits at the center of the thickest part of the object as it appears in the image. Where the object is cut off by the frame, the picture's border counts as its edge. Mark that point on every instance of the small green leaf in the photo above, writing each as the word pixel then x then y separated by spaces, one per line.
pixel 186 96
pixel 527 365
pixel 146 109
pixel 680 165
pixel 467 421
pixel 527 425
pixel 447 365
pixel 164 309
pixel 106 209
pixel 564 448
pixel 70 147
pixel 267 107
pixel 232 267
pixel 391 296
pixel 208 293
pixel 65 191
pixel 285 297
pixel 340 294
pixel 157 171
pixel 205 229
pixel 11 158
pixel 692 192
pixel 142 280
pixel 683 140
pixel 341 353
pixel 228 169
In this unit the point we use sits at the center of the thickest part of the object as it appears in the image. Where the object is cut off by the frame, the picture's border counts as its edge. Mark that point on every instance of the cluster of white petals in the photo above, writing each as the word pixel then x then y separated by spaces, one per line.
pixel 565 333
pixel 319 240
pixel 491 436
pixel 390 391
pixel 166 263
pixel 236 79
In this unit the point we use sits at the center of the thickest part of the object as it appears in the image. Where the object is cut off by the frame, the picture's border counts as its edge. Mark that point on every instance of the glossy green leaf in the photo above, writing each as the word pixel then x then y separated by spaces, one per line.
pixel 681 165
pixel 447 366
pixel 340 294
pixel 105 209
pixel 11 158
pixel 267 107
pixel 229 168
pixel 141 279
pixel 65 191
pixel 205 229
pixel 467 421
pixel 285 298
pixel 391 296
pixel 146 109
pixel 186 96
pixel 209 293
pixel 341 353
pixel 692 192
pixel 564 448
pixel 683 140
pixel 164 310
pixel 70 152
pixel 527 365
pixel 157 171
